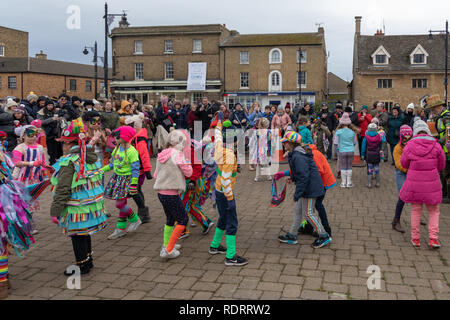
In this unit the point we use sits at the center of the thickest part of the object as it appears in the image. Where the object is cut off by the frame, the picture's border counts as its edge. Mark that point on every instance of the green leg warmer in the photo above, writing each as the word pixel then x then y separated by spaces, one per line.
pixel 133 217
pixel 217 238
pixel 167 233
pixel 231 246
pixel 122 223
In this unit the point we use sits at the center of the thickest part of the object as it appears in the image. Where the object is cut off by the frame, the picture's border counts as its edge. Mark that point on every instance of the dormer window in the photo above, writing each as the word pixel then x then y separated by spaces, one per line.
pixel 419 56
pixel 380 56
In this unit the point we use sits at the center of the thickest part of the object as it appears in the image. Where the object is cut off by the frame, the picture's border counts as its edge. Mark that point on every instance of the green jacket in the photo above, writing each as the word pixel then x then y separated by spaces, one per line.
pixel 64 180
pixel 441 121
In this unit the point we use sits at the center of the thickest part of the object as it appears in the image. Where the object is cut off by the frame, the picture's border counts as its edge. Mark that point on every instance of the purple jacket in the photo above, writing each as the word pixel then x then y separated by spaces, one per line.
pixel 424 158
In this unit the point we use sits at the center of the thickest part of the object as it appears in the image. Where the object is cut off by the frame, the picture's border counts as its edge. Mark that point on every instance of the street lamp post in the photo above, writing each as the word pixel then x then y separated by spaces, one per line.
pixel 85 51
pixel 446 33
pixel 109 17
pixel 300 75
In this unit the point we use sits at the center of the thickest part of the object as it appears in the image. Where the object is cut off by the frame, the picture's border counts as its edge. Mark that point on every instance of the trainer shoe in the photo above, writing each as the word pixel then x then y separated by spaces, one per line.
pixel 206 230
pixel 236 261
pixel 221 249
pixel 169 255
pixel 134 225
pixel 415 242
pixel 321 242
pixel 184 235
pixel 288 238
pixel 434 243
pixel 117 234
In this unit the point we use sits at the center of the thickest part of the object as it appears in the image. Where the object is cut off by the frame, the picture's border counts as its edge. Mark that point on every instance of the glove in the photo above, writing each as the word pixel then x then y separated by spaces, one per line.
pixel 231 205
pixel 37 163
pixel 55 220
pixel 133 189
pixel 191 186
pixel 148 175
pixel 277 176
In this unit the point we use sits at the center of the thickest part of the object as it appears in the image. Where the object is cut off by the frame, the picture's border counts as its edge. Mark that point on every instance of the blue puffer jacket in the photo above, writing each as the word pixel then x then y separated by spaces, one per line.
pixel 305 175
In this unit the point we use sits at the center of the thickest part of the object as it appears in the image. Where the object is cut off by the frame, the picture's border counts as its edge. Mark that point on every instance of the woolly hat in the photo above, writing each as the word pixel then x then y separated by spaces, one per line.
pixel 176 139
pixel 372 127
pixel 89 115
pixel 125 132
pixel 3 134
pixel 364 107
pixel 19 131
pixel 420 125
pixel 405 130
pixel 10 104
pixel 37 123
pixel 49 101
pixel 375 120
pixel 88 103
pixel 410 106
pixel 292 136
pixel 345 119
pixel 136 119
pixel 19 109
pixel 32 96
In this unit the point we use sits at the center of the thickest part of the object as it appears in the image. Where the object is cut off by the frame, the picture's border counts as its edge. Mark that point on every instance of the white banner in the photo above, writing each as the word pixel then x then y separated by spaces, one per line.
pixel 196 76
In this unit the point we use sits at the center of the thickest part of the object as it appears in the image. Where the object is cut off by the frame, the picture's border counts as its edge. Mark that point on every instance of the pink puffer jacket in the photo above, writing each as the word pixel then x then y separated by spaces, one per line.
pixel 424 158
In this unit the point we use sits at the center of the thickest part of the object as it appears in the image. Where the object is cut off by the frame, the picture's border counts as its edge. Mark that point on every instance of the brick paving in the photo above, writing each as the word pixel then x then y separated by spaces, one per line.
pixel 130 267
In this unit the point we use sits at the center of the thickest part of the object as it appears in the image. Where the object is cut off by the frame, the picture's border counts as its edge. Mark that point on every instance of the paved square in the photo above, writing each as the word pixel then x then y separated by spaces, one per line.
pixel 360 218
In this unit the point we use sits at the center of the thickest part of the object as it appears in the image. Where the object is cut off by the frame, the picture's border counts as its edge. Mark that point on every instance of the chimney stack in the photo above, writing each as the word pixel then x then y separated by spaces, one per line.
pixel 358 25
pixel 41 55
pixel 321 30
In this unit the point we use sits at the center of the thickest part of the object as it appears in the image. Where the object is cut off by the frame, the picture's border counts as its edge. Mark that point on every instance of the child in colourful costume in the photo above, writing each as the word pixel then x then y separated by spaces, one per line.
pixel 195 189
pixel 171 172
pixel 29 159
pixel 124 182
pixel 78 204
pixel 259 149
pixel 225 197
pixel 15 219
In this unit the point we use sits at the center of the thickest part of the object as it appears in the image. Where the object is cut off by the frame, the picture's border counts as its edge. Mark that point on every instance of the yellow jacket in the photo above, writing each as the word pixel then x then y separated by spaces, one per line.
pixel 398 150
pixel 226 165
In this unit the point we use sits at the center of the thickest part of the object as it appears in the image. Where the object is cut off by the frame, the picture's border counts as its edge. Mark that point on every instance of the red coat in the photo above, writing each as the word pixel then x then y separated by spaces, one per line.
pixel 191 118
pixel 363 124
pixel 139 141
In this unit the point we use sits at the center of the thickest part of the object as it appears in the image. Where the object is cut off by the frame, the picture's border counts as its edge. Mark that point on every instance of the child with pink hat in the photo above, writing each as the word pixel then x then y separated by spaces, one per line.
pixel 346 138
pixel 124 181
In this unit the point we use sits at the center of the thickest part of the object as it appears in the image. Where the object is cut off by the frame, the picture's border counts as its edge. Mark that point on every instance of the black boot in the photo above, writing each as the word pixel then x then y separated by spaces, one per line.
pixel 144 214
pixel 396 225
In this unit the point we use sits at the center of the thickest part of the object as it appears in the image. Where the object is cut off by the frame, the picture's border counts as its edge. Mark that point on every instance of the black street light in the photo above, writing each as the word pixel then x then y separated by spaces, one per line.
pixel 85 52
pixel 446 33
pixel 300 55
pixel 109 18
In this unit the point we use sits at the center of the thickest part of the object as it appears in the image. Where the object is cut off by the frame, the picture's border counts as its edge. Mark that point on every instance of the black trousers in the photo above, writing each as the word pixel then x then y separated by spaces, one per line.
pixel 139 198
pixel 82 247
pixel 54 149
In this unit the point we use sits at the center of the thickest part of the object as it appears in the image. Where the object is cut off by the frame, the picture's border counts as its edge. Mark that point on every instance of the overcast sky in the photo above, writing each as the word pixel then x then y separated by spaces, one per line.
pixel 46 21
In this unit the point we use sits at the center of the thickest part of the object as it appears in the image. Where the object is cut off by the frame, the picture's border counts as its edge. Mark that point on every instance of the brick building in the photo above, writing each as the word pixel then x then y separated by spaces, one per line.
pixel 396 69
pixel 20 74
pixel 152 61
pixel 13 43
pixel 265 67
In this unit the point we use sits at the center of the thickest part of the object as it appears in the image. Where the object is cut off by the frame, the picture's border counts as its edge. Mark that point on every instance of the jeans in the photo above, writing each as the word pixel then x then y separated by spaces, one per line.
pixel 392 151
pixel 330 147
pixel 227 218
pixel 400 178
